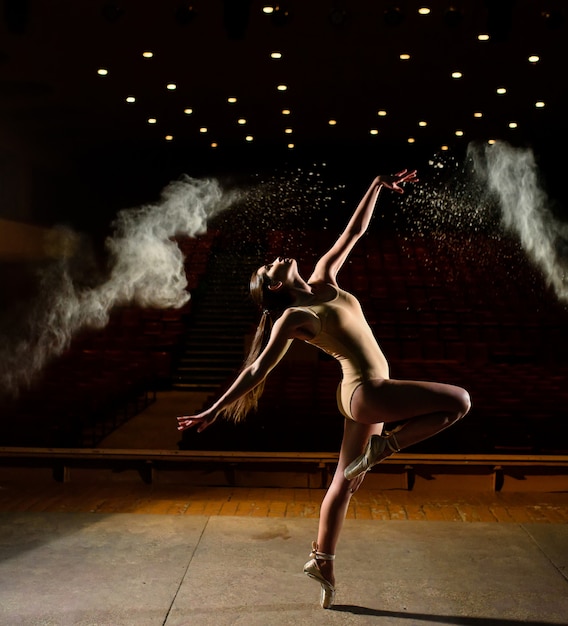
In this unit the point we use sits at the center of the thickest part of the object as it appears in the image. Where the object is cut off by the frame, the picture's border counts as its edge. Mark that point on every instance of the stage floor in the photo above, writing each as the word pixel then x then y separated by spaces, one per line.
pixel 141 569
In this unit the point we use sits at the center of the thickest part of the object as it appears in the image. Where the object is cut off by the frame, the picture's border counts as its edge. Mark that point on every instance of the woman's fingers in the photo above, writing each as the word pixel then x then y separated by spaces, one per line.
pixel 187 421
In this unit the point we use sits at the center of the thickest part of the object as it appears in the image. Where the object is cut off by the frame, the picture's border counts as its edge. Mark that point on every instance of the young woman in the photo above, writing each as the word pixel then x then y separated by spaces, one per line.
pixel 320 312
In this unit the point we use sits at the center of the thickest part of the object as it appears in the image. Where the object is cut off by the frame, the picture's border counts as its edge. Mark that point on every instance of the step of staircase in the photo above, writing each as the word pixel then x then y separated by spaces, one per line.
pixel 214 347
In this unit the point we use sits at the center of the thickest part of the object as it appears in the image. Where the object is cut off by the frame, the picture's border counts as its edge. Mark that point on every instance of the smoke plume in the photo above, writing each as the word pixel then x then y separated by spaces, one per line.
pixel 511 174
pixel 145 268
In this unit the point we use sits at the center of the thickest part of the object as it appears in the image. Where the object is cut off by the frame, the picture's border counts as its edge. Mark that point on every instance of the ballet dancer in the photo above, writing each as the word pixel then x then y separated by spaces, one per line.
pixel 319 312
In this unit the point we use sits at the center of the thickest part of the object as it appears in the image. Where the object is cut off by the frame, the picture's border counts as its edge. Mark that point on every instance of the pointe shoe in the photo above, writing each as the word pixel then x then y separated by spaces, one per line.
pixel 375 447
pixel 311 569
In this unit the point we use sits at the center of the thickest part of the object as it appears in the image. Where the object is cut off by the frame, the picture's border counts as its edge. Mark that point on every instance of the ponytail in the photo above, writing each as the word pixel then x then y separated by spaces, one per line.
pixel 238 410
pixel 263 297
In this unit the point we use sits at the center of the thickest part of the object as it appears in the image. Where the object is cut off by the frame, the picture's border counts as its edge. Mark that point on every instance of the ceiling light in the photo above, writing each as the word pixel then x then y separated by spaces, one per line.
pixel 539 105
pixel 171 86
pixel 288 131
pixel 501 91
pixel 286 111
pixel 459 133
pixel 188 111
pixel 152 120
pixel 422 123
pixel 404 56
pixel 276 55
pixel 513 125
pixel 290 145
pixel 457 75
pixel 231 100
pixel 424 10
pixel 203 129
pixel 483 37
pixel 478 114
pixel 282 87
pixel 214 144
pixel 491 142
pixel 249 138
pixel 147 54
pixel 241 121
pixel 411 140
pixel 332 122
pixel 444 148
pixel 374 131
pixel 268 9
pixel 102 71
pixel 381 113
pixel 130 99
pixel 534 58
pixel 169 137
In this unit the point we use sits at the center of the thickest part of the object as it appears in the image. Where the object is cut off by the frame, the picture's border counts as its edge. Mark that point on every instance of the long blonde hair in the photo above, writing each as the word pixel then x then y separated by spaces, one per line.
pixel 272 304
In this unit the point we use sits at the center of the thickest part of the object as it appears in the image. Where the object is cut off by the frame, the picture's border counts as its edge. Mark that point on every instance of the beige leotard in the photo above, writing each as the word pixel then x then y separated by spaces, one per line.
pixel 345 334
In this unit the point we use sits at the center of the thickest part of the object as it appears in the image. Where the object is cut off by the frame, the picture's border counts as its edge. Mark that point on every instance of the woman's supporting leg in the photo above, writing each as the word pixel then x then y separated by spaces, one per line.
pixel 336 501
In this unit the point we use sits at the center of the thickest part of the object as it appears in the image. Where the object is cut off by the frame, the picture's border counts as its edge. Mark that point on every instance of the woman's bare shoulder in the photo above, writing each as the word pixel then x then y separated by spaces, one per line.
pixel 300 322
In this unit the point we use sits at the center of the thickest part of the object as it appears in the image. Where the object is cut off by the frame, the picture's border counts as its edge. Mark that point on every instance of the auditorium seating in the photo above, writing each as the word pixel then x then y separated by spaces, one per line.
pixel 106 375
pixel 472 312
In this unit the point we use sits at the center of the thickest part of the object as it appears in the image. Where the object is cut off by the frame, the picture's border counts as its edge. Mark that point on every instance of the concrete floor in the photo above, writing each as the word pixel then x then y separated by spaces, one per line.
pixel 88 569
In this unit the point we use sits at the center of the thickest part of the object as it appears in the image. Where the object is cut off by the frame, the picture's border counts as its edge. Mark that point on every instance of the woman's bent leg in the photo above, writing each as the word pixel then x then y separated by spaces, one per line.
pixel 336 501
pixel 424 408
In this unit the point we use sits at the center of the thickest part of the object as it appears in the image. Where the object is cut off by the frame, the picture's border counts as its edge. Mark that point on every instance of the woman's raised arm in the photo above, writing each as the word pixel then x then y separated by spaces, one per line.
pixel 331 262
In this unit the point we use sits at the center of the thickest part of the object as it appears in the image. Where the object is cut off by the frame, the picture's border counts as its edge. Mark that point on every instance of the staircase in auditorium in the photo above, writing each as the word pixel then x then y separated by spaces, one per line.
pixel 222 317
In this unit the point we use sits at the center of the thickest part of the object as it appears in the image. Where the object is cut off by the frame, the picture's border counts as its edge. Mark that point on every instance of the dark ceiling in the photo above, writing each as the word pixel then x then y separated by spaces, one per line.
pixel 340 61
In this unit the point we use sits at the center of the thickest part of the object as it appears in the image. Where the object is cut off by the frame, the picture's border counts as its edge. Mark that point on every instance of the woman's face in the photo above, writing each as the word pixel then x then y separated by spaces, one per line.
pixel 282 269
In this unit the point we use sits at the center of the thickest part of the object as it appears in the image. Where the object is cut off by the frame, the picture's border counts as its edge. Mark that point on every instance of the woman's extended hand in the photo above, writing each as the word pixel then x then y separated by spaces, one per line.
pixel 201 420
pixel 394 182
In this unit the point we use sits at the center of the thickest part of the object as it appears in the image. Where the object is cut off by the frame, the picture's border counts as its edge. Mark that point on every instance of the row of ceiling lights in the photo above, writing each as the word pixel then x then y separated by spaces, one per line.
pixel 533 59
